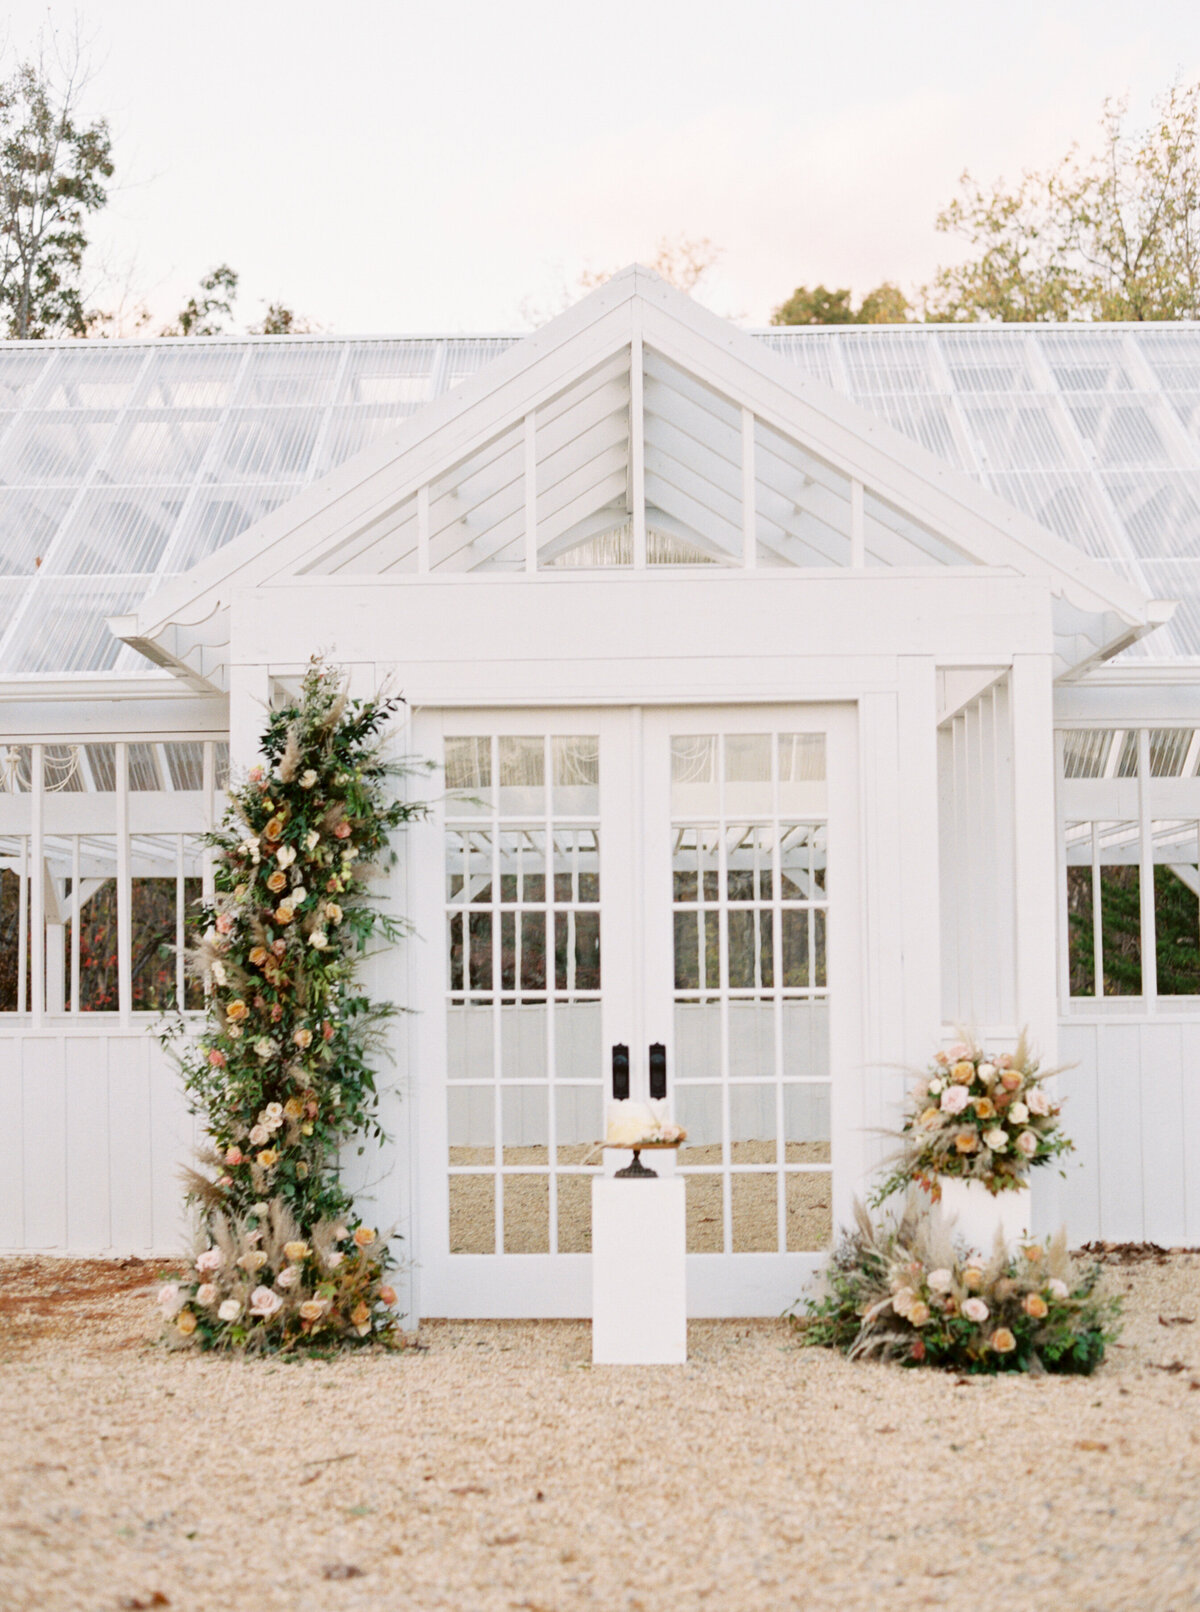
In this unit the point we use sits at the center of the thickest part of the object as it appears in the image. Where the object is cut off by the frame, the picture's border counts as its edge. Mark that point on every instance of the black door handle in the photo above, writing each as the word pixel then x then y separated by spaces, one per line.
pixel 620 1072
pixel 658 1070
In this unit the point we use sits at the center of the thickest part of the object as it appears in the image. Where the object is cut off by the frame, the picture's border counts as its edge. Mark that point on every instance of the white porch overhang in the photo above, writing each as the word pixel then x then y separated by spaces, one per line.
pixel 638 432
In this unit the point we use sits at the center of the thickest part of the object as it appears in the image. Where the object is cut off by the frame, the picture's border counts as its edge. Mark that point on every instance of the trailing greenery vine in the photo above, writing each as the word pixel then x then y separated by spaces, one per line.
pixel 284 1073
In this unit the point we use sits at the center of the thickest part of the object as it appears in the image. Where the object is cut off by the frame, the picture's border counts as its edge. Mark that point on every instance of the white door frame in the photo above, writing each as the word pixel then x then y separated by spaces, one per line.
pixel 631 792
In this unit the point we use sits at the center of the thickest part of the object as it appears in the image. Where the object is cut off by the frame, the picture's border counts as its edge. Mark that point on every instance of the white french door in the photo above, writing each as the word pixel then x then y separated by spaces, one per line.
pixel 611 877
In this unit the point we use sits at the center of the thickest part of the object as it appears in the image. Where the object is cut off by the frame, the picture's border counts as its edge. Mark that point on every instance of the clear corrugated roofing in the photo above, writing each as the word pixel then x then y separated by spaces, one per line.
pixel 122 464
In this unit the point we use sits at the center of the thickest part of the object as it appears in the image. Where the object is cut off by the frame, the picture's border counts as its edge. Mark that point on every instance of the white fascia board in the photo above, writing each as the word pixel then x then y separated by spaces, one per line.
pixel 36 688
pixel 377 481
pixel 888 462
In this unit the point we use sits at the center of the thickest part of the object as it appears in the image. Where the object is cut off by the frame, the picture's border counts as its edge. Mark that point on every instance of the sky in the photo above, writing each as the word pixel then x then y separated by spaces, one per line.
pixel 455 165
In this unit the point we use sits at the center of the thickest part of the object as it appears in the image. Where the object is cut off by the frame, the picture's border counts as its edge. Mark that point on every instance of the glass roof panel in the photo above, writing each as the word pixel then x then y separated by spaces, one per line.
pixel 149 455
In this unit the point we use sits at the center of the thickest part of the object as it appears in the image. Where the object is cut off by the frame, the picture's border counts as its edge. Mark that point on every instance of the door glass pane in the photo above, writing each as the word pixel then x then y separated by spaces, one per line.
pixel 522 892
pixel 750 904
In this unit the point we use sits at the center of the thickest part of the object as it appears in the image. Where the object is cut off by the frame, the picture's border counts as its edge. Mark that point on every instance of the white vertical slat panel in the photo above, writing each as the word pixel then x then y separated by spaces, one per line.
pixel 1162 1159
pixel 918 804
pixel 130 1140
pixel 1190 1102
pixel 12 1152
pixel 948 869
pixel 45 1142
pixel 1004 940
pixel 1078 1087
pixel 1031 696
pixel 171 1147
pixel 1119 1133
pixel 89 1183
pixel 882 983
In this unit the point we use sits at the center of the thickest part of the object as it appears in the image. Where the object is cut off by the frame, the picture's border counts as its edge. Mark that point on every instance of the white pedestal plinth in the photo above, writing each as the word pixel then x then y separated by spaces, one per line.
pixel 639 1297
pixel 978 1213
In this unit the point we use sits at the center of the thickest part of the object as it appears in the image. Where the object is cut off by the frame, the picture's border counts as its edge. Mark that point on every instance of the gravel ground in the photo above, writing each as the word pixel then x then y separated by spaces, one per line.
pixel 495 1468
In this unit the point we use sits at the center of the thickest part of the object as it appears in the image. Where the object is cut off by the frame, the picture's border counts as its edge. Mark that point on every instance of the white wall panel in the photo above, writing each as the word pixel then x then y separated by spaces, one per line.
pixel 94 1130
pixel 1134 1112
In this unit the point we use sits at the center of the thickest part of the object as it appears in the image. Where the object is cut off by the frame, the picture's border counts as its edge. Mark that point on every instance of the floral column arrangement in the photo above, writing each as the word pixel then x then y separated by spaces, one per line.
pixel 282 1074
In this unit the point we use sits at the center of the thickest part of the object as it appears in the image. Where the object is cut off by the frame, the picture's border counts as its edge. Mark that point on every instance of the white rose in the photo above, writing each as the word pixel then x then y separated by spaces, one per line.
pixel 272 1114
pixel 288 1277
pixel 955 1099
pixel 209 1260
pixel 1018 1114
pixel 935 1086
pixel 264 1303
pixel 234 1032
pixel 206 1293
pixel 230 1310
pixel 264 1048
pixel 996 1139
pixel 285 855
pixel 259 1209
pixel 318 939
pixel 1027 1143
pixel 170 1299
pixel 975 1310
pixel 312 839
pixel 259 1135
pixel 333 1259
pixel 308 778
pixel 903 1300
pixel 940 1281
pixel 1039 1103
pixel 218 972
pixel 1057 1288
pixel 987 1073
pixel 919 1091
pixel 298 895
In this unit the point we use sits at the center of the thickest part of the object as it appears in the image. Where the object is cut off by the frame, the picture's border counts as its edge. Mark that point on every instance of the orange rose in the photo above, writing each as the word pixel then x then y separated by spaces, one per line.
pixel 984 1108
pixel 267 1157
pixel 236 1011
pixel 1035 1305
pixel 1002 1341
pixel 277 881
pixel 963 1072
pixel 284 913
pixel 364 1236
pixel 258 955
pixel 360 1313
pixel 186 1323
pixel 966 1142
pixel 273 829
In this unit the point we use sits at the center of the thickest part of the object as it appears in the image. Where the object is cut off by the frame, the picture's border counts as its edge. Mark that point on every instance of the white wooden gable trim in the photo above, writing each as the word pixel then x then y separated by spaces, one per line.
pixel 181 626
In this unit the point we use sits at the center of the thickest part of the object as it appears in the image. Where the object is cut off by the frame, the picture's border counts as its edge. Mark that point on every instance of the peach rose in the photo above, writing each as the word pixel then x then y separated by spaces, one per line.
pixel 224 924
pixel 343 831
pixel 1011 1079
pixel 296 1251
pixel 984 1108
pixel 258 1135
pixel 186 1323
pixel 294 1108
pixel 972 1276
pixel 1027 1143
pixel 276 881
pixel 253 1260
pixel 236 1011
pixel 209 1260
pixel 206 1293
pixel 975 1310
pixel 387 1294
pixel 273 829
pixel 267 1158
pixel 313 1309
pixel 259 955
pixel 364 1236
pixel 963 1073
pixel 1036 1306
pixel 1002 1341
pixel 284 913
pixel 966 1142
pixel 303 1038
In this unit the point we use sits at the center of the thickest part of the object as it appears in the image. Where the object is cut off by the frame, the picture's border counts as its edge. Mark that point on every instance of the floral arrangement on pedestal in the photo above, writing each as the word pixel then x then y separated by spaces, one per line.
pixel 904 1292
pixel 282 1074
pixel 977 1117
pixel 649 1124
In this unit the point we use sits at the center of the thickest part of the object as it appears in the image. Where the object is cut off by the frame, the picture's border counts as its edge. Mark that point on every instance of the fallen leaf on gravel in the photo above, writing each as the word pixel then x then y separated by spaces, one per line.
pixel 135 1603
pixel 1173 1367
pixel 468 1488
pixel 1177 1320
pixel 504 1539
pixel 341 1570
pixel 1089 1444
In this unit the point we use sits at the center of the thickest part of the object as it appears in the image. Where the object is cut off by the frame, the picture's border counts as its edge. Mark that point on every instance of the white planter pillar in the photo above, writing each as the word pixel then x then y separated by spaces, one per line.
pixel 639 1297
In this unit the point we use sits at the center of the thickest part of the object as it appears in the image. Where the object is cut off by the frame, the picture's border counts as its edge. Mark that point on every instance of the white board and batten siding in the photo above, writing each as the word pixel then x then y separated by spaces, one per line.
pixel 94 1131
pixel 1133 1110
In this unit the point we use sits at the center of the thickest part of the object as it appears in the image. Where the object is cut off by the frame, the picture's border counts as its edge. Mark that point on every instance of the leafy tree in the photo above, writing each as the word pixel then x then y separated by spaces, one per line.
pixel 886 305
pixel 280 320
pixel 203 314
pixel 53 173
pixel 1114 235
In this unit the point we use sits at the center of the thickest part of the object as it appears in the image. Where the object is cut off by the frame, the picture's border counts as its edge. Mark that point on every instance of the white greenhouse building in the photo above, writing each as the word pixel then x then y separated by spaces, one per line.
pixel 794 696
